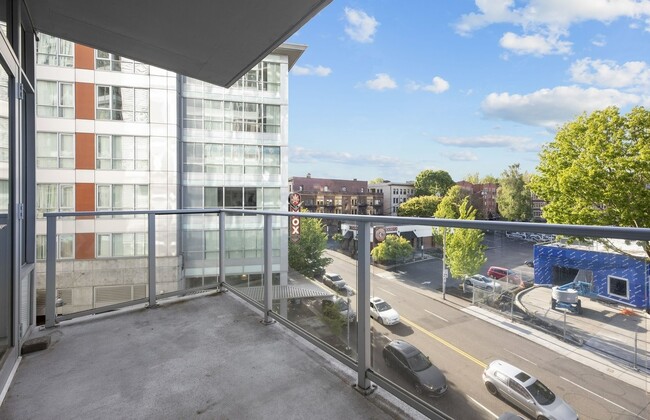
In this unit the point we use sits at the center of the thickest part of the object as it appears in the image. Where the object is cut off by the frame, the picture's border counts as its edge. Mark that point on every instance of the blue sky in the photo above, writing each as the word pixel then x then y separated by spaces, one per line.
pixel 389 88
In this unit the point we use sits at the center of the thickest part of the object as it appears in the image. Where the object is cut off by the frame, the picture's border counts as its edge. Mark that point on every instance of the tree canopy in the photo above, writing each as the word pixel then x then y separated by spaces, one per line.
pixel 513 196
pixel 449 207
pixel 377 180
pixel 306 255
pixel 393 248
pixel 422 206
pixel 465 252
pixel 429 182
pixel 597 171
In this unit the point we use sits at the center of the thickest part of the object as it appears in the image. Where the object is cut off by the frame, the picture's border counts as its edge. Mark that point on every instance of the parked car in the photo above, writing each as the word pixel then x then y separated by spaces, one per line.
pixel 336 282
pixel 383 312
pixel 481 282
pixel 342 306
pixel 525 392
pixel 415 368
pixel 503 273
pixel 530 263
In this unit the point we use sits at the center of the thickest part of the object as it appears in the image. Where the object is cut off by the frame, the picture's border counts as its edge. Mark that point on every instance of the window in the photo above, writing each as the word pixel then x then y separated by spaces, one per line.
pixel 122 197
pixel 122 152
pixel 121 244
pixel 64 246
pixel 202 197
pixel 54 197
pixel 4 140
pixel 617 286
pixel 54 99
pixel 111 62
pixel 203 114
pixel 265 77
pixel 52 51
pixel 122 103
pixel 55 150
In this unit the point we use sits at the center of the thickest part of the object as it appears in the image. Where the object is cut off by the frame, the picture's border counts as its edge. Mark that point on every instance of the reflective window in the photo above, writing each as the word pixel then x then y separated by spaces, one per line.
pixel 121 244
pixel 54 99
pixel 55 150
pixel 54 197
pixel 122 103
pixel 52 51
pixel 112 62
pixel 122 152
pixel 65 246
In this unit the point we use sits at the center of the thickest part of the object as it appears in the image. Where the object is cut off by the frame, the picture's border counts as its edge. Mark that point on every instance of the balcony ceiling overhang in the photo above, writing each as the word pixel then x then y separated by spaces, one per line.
pixel 216 41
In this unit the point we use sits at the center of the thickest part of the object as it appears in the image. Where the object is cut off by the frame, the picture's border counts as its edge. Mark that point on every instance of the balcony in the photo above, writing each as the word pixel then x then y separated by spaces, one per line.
pixel 244 346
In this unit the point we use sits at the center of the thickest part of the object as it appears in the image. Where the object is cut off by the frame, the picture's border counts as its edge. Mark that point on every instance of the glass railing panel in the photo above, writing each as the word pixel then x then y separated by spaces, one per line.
pixel 170 258
pixel 320 291
pixel 100 262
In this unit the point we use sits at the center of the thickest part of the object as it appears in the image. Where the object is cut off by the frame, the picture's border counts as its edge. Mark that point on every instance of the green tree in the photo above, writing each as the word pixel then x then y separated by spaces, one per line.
pixel 306 255
pixel 393 248
pixel 422 206
pixel 465 252
pixel 513 195
pixel 472 178
pixel 489 179
pixel 430 182
pixel 377 180
pixel 449 207
pixel 596 171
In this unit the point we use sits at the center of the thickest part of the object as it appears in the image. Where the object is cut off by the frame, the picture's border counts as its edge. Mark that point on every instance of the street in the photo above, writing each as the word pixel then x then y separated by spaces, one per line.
pixel 462 345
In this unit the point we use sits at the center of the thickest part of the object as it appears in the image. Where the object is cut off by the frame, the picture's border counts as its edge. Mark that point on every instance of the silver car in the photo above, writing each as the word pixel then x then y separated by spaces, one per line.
pixel 526 392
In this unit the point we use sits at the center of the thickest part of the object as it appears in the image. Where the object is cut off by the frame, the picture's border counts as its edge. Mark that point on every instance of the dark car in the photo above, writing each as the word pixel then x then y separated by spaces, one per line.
pixel 336 282
pixel 415 368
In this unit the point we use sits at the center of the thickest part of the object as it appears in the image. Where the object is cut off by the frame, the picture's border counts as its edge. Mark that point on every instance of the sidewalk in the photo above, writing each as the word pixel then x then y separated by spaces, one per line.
pixel 618 332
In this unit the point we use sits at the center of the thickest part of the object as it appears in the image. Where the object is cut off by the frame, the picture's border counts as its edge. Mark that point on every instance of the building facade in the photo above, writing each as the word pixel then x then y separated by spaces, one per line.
pixel 115 134
pixel 395 193
pixel 483 197
pixel 339 196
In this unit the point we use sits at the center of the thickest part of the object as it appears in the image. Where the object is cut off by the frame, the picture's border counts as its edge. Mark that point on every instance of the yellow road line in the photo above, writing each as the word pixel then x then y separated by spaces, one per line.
pixel 444 342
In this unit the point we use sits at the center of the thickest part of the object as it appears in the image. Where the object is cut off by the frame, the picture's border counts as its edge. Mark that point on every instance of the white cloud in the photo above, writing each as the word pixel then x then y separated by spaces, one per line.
pixel 550 108
pixel 607 73
pixel 382 81
pixel 534 44
pixel 599 41
pixel 462 156
pixel 302 155
pixel 514 143
pixel 360 27
pixel 309 70
pixel 551 14
pixel 550 19
pixel 438 85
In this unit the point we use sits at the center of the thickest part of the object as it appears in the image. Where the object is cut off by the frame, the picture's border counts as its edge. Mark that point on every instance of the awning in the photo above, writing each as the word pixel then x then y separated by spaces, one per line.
pixel 213 41
pixel 348 235
pixel 408 235
pixel 283 292
pixel 422 233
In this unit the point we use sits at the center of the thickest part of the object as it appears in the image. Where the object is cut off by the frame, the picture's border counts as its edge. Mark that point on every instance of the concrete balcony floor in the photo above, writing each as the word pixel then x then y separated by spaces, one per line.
pixel 206 356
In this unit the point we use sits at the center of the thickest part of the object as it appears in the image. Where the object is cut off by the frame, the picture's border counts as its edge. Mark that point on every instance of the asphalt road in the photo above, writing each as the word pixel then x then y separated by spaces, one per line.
pixel 461 345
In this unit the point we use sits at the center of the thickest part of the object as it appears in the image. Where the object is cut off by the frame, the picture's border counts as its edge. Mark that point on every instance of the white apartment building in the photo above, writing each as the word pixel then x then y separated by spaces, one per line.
pixel 114 134
pixel 395 193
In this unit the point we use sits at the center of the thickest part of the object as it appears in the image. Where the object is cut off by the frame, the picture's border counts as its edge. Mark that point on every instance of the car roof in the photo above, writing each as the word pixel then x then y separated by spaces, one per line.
pixel 481 277
pixel 331 274
pixel 376 300
pixel 512 372
pixel 407 349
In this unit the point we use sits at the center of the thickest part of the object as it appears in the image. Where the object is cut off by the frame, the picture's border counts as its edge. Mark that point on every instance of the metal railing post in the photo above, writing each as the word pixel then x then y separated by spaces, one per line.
pixel 268 269
pixel 222 249
pixel 151 256
pixel 363 308
pixel 50 273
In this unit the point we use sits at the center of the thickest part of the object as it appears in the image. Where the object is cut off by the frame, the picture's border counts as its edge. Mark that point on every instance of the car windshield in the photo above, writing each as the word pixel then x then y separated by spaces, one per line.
pixel 382 306
pixel 336 278
pixel 419 362
pixel 541 393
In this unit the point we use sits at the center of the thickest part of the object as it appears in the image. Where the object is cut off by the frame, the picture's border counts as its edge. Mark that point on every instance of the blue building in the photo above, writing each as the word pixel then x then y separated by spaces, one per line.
pixel 614 276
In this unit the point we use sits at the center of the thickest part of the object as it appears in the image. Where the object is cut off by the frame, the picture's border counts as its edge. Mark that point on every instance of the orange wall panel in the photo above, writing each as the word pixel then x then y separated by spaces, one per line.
pixel 84 246
pixel 84 101
pixel 84 57
pixel 84 197
pixel 84 151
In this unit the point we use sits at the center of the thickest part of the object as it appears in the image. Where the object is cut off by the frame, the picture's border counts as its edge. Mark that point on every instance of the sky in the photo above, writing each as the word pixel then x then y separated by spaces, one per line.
pixel 390 88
